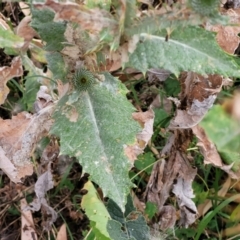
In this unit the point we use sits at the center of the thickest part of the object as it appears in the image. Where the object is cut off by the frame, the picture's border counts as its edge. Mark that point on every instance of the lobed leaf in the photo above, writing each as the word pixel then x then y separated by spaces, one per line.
pixel 95 127
pixel 51 32
pixel 188 49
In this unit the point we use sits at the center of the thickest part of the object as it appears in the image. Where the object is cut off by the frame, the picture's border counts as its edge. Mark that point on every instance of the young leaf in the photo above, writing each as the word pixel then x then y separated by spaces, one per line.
pixel 95 129
pixel 96 211
pixel 189 49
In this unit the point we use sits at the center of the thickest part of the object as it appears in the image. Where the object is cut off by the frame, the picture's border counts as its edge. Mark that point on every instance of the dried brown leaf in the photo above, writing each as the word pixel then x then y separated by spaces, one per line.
pixel 19 135
pixel 231 106
pixel 198 95
pixel 25 8
pixel 157 75
pixel 3 23
pixel 7 73
pixel 62 233
pixel 43 184
pixel 164 173
pixel 167 217
pixel 93 20
pixel 27 229
pixel 210 153
pixel 25 31
pixel 146 120
pixel 208 149
pixel 184 193
pixel 8 168
pixel 227 37
pixel 164 103
pixel 43 99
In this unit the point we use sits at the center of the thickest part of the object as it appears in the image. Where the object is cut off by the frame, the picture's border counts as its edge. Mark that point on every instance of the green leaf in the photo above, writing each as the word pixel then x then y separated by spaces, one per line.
pixel 172 86
pixel 145 162
pixel 199 192
pixel 96 211
pixel 94 126
pixel 130 13
pixel 115 231
pixel 128 225
pixel 51 32
pixel 57 66
pixel 106 4
pixel 9 39
pixel 225 133
pixel 162 118
pixel 38 53
pixel 205 7
pixel 208 217
pixel 187 49
pixel 32 83
pixel 151 209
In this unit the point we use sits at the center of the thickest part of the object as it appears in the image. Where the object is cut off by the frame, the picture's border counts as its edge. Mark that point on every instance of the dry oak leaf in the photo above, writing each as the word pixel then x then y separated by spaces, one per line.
pixel 7 73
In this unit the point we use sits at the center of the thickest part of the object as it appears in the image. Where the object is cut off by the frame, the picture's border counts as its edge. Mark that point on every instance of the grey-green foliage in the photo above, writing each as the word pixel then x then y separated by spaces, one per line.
pixel 129 225
pixel 186 49
pixel 205 7
pixel 51 32
pixel 56 65
pixel 94 126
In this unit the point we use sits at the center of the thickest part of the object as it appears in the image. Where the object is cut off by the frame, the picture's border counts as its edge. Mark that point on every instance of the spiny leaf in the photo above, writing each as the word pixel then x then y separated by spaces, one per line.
pixel 94 128
pixel 187 49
